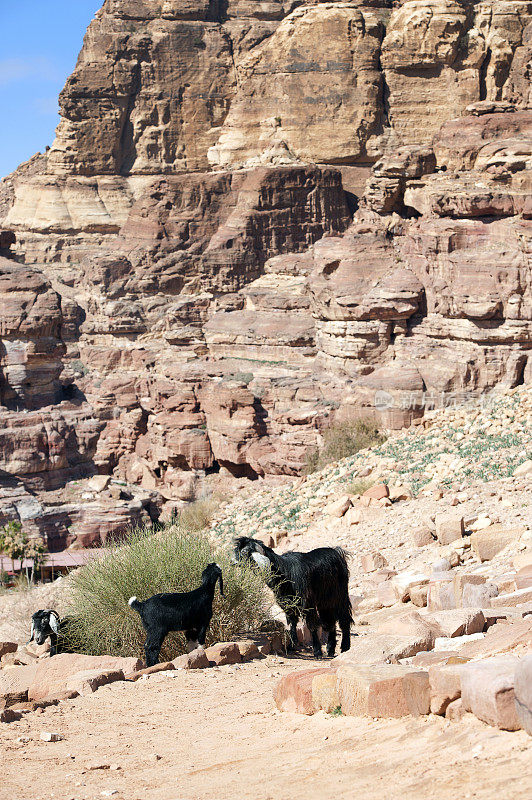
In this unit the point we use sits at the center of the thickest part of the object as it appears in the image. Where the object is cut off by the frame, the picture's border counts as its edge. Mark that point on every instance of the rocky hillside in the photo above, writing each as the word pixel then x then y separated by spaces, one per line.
pixel 257 218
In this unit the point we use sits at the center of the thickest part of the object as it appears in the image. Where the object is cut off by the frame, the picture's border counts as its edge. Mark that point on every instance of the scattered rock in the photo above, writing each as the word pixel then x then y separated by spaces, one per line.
pixel 8 647
pixel 487 543
pixel 196 659
pixel 47 736
pixel 338 508
pixel 223 653
pixel 373 561
pixel 295 691
pixel 377 492
pixel 449 527
pixel 488 691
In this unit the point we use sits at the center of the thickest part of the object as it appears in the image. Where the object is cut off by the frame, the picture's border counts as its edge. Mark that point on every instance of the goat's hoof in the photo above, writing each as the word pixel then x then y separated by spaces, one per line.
pixel 318 655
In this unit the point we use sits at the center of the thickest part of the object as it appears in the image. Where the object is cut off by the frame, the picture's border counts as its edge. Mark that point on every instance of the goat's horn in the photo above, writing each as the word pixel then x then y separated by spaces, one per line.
pixel 32 633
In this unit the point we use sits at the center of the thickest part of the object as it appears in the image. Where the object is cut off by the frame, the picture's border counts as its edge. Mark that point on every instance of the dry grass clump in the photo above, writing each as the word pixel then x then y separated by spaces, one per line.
pixel 146 564
pixel 198 515
pixel 341 440
pixel 360 486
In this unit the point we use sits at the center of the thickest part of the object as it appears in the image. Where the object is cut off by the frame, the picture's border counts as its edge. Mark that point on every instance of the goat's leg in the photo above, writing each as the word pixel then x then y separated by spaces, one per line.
pixel 152 646
pixel 292 619
pixel 328 620
pixel 345 627
pixel 192 639
pixel 311 618
pixel 202 635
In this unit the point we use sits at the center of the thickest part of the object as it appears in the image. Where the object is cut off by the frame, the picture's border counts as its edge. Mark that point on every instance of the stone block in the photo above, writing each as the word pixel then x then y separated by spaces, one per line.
pixel 390 690
pixel 440 594
pixel 90 680
pixel 196 659
pixel 456 622
pixel 422 536
pixel 404 581
pixel 487 543
pixel 8 647
pixel 419 595
pixel 445 686
pixel 520 597
pixel 377 492
pixel 294 691
pixel 15 683
pixel 449 527
pixel 523 693
pixel 377 648
pixel 488 691
pixel 372 561
pixel 523 578
pixel 52 674
pixel 501 638
pixel 223 653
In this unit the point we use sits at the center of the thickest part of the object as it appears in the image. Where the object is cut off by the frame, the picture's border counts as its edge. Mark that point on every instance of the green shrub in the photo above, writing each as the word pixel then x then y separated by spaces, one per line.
pixel 342 440
pixel 170 561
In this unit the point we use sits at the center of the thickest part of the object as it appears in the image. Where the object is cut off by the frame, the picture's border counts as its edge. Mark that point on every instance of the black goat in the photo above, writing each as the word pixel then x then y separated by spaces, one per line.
pixel 313 585
pixel 190 612
pixel 46 623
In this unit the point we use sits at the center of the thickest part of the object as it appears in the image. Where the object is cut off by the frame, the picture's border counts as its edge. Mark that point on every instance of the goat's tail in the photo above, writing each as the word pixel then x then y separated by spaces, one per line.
pixel 135 604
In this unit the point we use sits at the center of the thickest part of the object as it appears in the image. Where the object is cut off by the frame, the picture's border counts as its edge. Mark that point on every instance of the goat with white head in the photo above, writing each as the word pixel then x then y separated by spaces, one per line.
pixel 46 623
pixel 311 585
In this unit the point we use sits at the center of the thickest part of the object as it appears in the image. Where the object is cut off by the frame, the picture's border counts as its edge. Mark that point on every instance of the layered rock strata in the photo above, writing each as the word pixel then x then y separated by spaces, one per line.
pixel 257 218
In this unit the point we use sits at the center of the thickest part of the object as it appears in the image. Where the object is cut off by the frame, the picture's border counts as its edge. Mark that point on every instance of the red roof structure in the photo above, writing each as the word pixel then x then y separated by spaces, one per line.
pixel 66 559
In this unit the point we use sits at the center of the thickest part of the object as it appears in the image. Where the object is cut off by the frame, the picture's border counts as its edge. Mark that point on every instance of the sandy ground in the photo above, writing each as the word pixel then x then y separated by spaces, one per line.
pixel 216 735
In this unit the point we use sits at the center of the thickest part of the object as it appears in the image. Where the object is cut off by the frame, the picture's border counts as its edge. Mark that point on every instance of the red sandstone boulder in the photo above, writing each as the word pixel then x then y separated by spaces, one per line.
pixel 55 674
pixel 377 492
pixel 445 685
pixel 88 681
pixel 223 653
pixel 295 691
pixel 15 683
pixel 197 659
pixel 389 690
pixel 456 622
pixel 488 691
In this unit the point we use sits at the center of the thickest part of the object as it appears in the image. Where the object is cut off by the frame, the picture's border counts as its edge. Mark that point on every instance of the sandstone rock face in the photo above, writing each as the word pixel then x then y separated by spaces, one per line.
pixel 194 299
pixel 30 322
pixel 328 51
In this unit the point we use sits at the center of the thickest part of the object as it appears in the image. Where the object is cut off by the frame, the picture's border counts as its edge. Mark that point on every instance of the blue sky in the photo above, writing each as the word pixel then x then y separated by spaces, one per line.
pixel 39 44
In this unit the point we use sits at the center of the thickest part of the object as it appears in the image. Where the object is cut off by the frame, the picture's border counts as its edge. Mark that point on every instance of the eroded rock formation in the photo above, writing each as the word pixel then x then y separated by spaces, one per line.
pixel 256 217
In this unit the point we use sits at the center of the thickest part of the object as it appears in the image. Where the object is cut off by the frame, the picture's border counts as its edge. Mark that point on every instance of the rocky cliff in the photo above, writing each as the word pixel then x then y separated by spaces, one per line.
pixel 256 217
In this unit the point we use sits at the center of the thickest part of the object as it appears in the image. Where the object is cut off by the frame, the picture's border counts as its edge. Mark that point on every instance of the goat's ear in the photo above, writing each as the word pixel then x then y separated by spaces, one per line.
pixel 221 582
pixel 261 560
pixel 32 634
pixel 54 622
